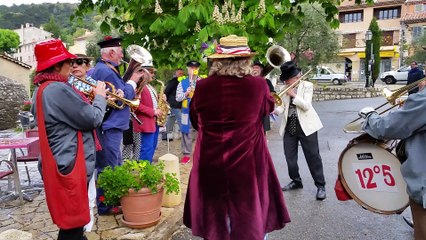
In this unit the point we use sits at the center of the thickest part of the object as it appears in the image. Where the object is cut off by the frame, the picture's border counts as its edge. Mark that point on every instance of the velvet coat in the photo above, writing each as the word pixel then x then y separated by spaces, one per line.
pixel 146 113
pixel 233 190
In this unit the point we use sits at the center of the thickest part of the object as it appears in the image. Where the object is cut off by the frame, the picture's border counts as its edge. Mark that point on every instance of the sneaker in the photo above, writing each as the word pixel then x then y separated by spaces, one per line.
pixel 321 195
pixel 292 186
pixel 185 159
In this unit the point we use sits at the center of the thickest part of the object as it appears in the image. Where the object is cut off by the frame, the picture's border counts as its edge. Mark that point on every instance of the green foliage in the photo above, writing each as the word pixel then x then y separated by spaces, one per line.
pixel 52 27
pixel 419 55
pixel 314 34
pixel 9 40
pixel 32 86
pixel 377 36
pixel 175 36
pixel 134 174
pixel 38 14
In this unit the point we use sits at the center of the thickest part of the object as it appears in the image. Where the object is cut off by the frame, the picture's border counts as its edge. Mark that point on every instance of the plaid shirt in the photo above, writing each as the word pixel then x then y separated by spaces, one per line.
pixel 82 87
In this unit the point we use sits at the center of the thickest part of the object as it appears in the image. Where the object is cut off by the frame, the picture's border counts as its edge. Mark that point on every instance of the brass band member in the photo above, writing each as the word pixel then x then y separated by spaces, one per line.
pixel 66 122
pixel 116 120
pixel 147 112
pixel 300 123
pixel 184 92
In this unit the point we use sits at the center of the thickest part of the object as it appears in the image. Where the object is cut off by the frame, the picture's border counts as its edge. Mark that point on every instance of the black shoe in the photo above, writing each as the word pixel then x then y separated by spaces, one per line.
pixel 292 186
pixel 321 193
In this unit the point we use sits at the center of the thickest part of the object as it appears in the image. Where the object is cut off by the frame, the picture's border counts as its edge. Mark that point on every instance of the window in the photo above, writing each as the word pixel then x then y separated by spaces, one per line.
pixel 387 38
pixel 418 31
pixel 349 40
pixel 420 8
pixel 348 17
pixel 387 13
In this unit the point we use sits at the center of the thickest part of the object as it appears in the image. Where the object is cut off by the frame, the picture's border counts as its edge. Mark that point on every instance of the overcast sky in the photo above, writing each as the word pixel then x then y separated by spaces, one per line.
pixel 19 2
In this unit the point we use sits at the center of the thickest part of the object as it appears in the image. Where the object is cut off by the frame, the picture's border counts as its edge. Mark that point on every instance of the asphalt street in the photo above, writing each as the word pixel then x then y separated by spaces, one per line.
pixel 328 219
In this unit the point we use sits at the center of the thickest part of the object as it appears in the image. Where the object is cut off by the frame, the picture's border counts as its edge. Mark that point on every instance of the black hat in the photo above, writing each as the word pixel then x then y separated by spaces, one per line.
pixel 288 70
pixel 193 63
pixel 258 63
pixel 109 41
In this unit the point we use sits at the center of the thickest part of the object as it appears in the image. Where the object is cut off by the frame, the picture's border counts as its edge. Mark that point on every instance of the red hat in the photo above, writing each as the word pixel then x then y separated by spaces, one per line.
pixel 50 52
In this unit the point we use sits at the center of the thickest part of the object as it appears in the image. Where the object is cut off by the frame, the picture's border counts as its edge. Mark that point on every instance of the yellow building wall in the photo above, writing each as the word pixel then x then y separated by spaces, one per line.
pixel 15 72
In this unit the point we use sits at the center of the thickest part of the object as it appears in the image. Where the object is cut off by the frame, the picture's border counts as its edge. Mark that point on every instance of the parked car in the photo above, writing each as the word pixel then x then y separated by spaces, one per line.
pixel 399 75
pixel 326 74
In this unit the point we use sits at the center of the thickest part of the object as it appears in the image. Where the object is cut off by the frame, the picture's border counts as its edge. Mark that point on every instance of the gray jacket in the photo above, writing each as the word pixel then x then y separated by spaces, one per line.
pixel 65 112
pixel 408 122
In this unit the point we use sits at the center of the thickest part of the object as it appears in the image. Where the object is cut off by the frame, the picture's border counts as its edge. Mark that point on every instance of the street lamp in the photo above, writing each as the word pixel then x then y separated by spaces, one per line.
pixel 370 60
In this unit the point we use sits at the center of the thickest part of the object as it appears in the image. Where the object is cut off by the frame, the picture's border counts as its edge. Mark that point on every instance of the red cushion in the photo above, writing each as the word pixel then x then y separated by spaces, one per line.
pixel 5 173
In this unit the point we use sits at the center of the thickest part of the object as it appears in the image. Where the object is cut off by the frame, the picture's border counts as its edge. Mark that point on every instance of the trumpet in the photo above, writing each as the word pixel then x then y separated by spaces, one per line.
pixel 391 97
pixel 111 93
pixel 277 96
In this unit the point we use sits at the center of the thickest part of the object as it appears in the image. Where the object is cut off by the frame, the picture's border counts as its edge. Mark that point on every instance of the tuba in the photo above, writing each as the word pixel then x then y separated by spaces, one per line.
pixel 140 58
pixel 276 56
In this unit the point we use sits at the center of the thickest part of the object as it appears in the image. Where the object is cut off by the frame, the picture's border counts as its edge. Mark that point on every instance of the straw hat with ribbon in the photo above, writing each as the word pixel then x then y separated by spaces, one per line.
pixel 232 46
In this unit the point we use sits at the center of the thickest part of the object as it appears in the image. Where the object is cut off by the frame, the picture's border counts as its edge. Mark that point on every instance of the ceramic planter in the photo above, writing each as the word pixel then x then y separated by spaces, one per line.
pixel 142 209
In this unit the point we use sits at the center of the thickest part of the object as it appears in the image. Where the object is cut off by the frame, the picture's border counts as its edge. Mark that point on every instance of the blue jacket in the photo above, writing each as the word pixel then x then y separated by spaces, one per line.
pixel 414 75
pixel 118 118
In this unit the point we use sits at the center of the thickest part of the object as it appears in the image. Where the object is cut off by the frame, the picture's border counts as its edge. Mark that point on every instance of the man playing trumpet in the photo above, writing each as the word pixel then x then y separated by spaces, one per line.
pixel 116 120
pixel 184 93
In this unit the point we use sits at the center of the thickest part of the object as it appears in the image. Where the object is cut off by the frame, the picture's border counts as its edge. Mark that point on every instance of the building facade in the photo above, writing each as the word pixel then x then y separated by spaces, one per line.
pixel 413 25
pixel 354 22
pixel 28 37
pixel 15 70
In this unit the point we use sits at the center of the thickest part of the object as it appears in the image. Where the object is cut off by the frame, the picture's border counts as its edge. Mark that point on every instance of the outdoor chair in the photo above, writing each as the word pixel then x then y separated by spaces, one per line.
pixel 7 172
pixel 33 151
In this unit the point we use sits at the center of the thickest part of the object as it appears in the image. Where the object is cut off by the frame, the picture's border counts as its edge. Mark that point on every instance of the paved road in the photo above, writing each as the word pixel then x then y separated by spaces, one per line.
pixel 330 219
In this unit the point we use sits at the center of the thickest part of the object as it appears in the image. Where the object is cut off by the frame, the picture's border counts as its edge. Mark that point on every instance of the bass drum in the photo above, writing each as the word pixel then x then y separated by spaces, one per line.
pixel 371 175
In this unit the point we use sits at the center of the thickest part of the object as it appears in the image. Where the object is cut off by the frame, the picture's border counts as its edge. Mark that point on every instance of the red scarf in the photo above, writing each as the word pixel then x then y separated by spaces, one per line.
pixel 56 77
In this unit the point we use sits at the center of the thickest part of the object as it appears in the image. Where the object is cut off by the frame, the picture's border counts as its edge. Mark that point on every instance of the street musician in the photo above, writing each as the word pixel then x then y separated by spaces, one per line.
pixel 184 93
pixel 116 120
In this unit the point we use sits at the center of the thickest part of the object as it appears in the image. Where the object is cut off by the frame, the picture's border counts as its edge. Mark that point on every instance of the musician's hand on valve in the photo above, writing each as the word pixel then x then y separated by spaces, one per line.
pixel 365 112
pixel 120 93
pixel 138 76
pixel 100 89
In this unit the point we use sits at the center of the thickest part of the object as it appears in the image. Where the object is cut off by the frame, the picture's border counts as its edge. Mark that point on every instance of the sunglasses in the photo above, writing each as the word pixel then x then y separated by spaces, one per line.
pixel 79 61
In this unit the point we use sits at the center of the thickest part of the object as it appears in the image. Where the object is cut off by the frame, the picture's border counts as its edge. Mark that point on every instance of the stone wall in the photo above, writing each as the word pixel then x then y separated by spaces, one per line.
pixel 12 96
pixel 336 93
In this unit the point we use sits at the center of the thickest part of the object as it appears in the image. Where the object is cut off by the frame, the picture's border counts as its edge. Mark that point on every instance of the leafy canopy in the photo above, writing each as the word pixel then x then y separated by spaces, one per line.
pixel 173 30
pixel 9 40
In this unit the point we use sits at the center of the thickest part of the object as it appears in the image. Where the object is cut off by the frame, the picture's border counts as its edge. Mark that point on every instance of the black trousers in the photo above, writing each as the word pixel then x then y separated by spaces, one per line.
pixel 71 234
pixel 311 151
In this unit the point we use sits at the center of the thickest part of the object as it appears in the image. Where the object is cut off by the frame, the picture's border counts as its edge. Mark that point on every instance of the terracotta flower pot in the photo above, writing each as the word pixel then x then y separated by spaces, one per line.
pixel 142 209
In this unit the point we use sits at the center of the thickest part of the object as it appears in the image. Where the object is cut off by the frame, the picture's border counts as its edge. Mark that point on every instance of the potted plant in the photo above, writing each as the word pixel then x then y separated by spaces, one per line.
pixel 138 186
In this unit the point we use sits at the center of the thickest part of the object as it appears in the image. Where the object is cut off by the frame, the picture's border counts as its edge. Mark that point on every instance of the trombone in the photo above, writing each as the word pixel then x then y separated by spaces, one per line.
pixel 391 97
pixel 277 96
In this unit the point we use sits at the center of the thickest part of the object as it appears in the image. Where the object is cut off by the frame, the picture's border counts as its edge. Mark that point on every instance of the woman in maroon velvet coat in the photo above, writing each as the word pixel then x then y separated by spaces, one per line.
pixel 233 189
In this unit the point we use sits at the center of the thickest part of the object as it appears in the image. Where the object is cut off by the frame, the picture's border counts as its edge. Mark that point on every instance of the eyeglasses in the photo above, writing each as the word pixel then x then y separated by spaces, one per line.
pixel 79 61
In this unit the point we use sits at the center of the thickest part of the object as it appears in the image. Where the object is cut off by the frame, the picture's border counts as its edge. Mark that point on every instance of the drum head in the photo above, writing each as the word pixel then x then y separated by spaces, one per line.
pixel 372 176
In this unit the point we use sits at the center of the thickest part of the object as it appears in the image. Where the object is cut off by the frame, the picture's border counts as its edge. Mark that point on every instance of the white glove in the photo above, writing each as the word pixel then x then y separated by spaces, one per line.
pixel 365 112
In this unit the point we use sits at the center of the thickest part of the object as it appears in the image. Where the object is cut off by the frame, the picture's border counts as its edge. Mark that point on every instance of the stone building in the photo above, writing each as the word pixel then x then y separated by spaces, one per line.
pixel 354 22
pixel 15 70
pixel 413 24
pixel 28 37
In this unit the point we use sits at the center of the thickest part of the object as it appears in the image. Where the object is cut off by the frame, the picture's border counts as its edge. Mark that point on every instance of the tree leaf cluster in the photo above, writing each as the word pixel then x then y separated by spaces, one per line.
pixel 418 47
pixel 376 40
pixel 55 18
pixel 175 35
pixel 9 40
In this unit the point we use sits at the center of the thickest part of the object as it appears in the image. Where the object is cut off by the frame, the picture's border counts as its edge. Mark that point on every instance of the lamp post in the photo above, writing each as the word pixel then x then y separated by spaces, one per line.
pixel 368 58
